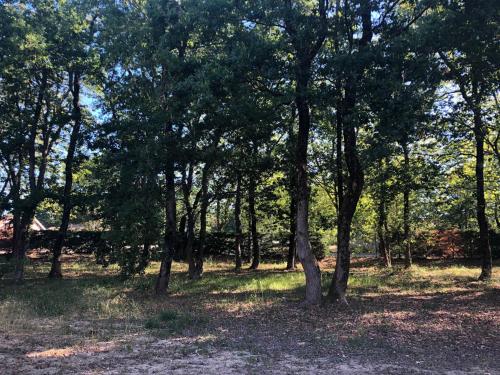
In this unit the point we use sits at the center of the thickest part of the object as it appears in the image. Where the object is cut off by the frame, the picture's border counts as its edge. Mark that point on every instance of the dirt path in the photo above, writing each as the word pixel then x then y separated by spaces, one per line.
pixel 138 355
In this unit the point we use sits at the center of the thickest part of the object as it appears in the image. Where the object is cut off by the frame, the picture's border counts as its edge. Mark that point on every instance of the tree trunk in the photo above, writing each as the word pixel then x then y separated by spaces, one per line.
pixel 406 206
pixel 290 264
pixel 484 242
pixel 217 215
pixel 170 222
pixel 383 244
pixel 187 183
pixel 55 270
pixel 253 225
pixel 21 243
pixel 189 246
pixel 27 213
pixel 338 158
pixel 354 187
pixel 292 180
pixel 355 174
pixel 237 223
pixel 302 243
pixel 203 223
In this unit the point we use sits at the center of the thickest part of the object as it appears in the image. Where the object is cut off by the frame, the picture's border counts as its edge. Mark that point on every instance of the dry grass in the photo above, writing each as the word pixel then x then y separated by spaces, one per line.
pixel 436 317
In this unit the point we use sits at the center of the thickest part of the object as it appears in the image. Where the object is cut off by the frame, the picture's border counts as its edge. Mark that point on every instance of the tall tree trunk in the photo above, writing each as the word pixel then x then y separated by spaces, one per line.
pixel 292 181
pixel 217 215
pixel 170 221
pixel 253 225
pixel 55 270
pixel 21 243
pixel 338 158
pixel 406 206
pixel 187 184
pixel 383 244
pixel 180 249
pixel 203 223
pixel 190 246
pixel 237 223
pixel 484 241
pixel 350 198
pixel 290 263
pixel 27 213
pixel 302 242
pixel 355 174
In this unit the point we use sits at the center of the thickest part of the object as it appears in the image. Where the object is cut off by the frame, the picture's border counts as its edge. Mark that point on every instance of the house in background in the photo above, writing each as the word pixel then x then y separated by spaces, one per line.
pixel 7 230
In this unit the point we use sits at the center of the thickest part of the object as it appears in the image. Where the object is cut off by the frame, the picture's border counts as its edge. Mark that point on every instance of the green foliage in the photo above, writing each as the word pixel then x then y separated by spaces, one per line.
pixel 211 87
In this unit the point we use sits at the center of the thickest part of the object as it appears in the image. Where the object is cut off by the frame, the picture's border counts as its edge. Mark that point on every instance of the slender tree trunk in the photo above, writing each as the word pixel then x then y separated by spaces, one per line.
pixel 217 215
pixel 55 270
pixel 290 264
pixel 16 220
pixel 237 223
pixel 27 213
pixel 292 181
pixel 253 225
pixel 180 249
pixel 203 223
pixel 170 223
pixel 497 216
pixel 303 245
pixel 354 187
pixel 190 245
pixel 187 184
pixel 484 242
pixel 383 244
pixel 21 243
pixel 355 174
pixel 338 158
pixel 406 206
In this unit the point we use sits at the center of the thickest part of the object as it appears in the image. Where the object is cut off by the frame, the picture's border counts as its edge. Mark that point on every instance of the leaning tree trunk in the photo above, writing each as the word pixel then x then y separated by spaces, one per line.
pixel 302 243
pixel 237 223
pixel 406 206
pixel 484 242
pixel 253 225
pixel 55 270
pixel 170 223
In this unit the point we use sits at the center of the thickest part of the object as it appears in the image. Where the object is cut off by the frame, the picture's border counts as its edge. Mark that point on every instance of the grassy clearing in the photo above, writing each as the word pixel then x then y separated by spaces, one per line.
pixel 422 314
pixel 93 292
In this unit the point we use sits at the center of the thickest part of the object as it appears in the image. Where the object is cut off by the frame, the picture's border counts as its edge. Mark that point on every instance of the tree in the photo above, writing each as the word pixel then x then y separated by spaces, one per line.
pixel 34 106
pixel 81 61
pixel 469 52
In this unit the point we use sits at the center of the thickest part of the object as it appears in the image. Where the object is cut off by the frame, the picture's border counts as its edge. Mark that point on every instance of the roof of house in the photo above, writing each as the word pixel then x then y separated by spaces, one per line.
pixel 6 223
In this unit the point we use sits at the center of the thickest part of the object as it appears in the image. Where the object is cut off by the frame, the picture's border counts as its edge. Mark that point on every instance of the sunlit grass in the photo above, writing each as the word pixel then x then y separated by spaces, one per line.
pixel 91 292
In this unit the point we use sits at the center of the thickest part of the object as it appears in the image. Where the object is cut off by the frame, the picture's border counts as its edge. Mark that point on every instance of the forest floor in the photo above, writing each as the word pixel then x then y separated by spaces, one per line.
pixel 434 319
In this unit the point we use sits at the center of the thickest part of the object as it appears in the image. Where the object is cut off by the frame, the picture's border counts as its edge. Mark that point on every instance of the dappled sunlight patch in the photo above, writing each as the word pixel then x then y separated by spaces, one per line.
pixel 102 347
